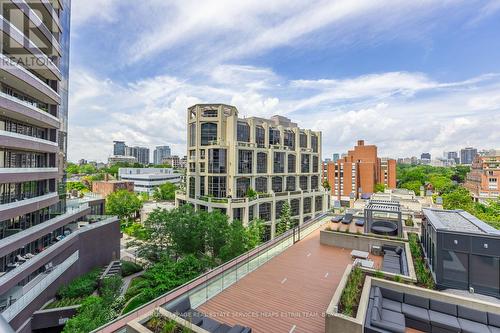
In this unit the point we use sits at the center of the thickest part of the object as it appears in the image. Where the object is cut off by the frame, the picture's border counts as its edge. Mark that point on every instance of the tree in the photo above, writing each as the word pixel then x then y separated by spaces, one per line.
pixel 88 169
pixel 123 204
pixel 217 228
pixel 413 185
pixel 285 220
pixel 165 192
pixel 72 169
pixel 379 187
pixel 79 186
pixel 326 185
pixel 237 241
pixel 255 233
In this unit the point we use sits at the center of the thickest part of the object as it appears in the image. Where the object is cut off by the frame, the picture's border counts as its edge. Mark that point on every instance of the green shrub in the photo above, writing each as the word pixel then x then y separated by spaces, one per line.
pixel 379 274
pixel 424 276
pixel 110 288
pixel 82 286
pixel 352 292
pixel 64 302
pixel 129 268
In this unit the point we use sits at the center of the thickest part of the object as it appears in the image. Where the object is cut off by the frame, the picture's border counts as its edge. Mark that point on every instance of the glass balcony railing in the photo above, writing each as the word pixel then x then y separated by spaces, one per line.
pixel 30 295
pixel 208 285
pixel 33 106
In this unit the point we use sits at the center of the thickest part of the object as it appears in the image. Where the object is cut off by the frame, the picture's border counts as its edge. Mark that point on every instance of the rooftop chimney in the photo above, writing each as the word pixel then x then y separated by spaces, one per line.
pixel 361 142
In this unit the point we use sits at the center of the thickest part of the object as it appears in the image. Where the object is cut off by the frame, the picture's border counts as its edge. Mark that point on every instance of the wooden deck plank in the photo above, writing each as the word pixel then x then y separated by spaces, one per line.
pixel 292 289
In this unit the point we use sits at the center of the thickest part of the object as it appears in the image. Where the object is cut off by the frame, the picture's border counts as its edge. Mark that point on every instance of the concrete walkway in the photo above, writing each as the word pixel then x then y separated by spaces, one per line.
pixel 127 280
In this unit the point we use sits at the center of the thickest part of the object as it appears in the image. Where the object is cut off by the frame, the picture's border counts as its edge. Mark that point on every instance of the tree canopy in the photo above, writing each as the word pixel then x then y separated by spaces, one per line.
pixel 165 192
pixel 123 204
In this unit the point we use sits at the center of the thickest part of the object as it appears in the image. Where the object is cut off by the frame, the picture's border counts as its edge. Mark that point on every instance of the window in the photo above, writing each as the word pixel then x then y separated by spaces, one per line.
pixel 217 160
pixel 243 132
pixel 314 143
pixel 251 212
pixel 245 161
pixel 290 183
pixel 303 183
pixel 202 167
pixel 303 140
pixel 261 185
pixel 192 134
pixel 208 133
pixel 192 187
pixel 318 206
pixel 274 136
pixel 455 268
pixel 314 182
pixel 260 134
pixel 242 186
pixel 292 168
pixel 277 184
pixel 295 207
pixel 261 162
pixel 488 283
pixel 202 185
pixel 289 139
pixel 305 163
pixel 265 211
pixel 192 167
pixel 210 113
pixel 217 186
pixel 307 205
pixel 315 163
pixel 279 162
pixel 202 154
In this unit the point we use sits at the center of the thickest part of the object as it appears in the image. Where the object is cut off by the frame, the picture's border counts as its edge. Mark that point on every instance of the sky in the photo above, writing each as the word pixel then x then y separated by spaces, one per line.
pixel 408 76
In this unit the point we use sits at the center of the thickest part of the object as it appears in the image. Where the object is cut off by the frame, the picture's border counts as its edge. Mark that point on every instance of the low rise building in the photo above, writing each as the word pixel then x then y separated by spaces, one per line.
pixel 145 180
pixel 483 181
pixel 462 251
pixel 106 187
pixel 121 159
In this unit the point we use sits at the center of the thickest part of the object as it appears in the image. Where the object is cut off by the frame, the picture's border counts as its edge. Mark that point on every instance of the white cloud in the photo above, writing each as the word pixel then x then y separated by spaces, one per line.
pixel 403 113
pixel 83 11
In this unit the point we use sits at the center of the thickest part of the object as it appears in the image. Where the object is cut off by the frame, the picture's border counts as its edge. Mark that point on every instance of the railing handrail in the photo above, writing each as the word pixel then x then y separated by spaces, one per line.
pixel 28 104
pixel 215 272
pixel 27 137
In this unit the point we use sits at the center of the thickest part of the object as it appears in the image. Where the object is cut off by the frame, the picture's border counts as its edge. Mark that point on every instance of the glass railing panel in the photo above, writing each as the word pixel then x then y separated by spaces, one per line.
pixel 12 311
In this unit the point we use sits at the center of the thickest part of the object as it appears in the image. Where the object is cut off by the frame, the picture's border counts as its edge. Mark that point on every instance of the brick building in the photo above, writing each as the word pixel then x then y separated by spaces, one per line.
pixel 359 171
pixel 483 179
pixel 105 188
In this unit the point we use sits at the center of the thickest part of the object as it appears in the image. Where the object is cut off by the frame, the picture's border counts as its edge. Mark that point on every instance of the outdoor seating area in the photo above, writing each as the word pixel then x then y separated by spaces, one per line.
pixel 385 228
pixel 394 260
pixel 394 311
pixel 183 309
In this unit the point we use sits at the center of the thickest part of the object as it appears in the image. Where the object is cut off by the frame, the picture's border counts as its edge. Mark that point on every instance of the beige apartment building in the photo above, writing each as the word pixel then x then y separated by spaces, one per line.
pixel 228 157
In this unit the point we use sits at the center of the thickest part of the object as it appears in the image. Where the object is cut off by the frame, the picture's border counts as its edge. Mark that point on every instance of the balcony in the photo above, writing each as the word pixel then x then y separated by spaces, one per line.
pixel 25 142
pixel 45 32
pixel 12 209
pixel 18 240
pixel 45 67
pixel 23 80
pixel 18 109
pixel 45 280
pixel 16 175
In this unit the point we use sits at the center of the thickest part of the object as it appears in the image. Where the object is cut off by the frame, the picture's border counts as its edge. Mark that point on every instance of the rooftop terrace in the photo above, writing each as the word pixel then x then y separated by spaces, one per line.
pixel 289 293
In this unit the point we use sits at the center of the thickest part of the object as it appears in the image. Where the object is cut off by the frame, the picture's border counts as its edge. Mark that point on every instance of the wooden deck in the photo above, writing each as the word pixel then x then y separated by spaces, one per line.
pixel 290 293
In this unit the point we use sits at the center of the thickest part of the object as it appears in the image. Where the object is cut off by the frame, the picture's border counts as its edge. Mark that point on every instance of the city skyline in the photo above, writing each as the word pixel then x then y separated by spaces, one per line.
pixel 318 64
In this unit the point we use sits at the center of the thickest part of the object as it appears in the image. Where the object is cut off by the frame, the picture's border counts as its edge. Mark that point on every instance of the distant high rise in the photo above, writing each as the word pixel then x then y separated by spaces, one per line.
pixel 336 157
pixel 425 156
pixel 140 153
pixel 467 155
pixel 160 153
pixel 119 148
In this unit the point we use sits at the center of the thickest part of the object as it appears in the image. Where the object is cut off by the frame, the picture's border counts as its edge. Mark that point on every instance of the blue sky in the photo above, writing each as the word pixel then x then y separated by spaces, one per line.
pixel 408 76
